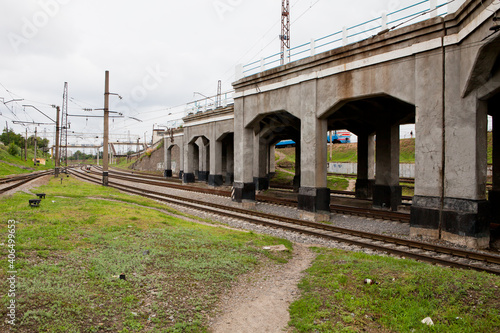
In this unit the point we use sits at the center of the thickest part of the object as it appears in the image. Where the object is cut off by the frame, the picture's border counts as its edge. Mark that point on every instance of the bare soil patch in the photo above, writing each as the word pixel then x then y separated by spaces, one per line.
pixel 259 301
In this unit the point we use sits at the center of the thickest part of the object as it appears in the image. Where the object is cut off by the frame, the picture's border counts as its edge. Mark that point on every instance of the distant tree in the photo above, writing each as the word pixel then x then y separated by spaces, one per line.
pixel 13 149
pixel 8 137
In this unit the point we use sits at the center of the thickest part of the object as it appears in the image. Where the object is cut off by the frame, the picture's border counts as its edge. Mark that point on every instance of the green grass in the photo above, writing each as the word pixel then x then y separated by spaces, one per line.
pixel 337 183
pixel 72 249
pixel 17 165
pixel 335 299
pixel 283 178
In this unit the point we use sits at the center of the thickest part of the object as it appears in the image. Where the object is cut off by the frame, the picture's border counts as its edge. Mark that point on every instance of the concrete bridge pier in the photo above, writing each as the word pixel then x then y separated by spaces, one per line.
pixel 260 162
pixel 296 178
pixel 387 192
pixel 196 160
pixel 243 187
pixel 167 173
pixel 366 167
pixel 204 160
pixel 465 214
pixel 180 144
pixel 230 162
pixel 215 176
pixel 272 160
pixel 314 195
pixel 190 160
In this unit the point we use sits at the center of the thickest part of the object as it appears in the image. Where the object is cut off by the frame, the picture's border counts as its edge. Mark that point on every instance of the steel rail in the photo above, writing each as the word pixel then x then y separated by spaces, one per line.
pixel 324 230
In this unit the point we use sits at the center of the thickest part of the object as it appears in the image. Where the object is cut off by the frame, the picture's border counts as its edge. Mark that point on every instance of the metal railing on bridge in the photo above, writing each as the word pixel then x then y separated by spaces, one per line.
pixel 419 11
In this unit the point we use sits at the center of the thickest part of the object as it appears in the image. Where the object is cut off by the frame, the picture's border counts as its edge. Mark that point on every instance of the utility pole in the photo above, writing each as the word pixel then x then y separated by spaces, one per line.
pixel 56 155
pixel 26 147
pixel 65 126
pixel 105 173
pixel 34 160
pixel 285 30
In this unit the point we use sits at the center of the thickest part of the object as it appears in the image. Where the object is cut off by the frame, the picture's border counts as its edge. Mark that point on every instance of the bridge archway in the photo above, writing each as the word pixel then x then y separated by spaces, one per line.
pixel 270 129
pixel 367 116
pixel 197 159
pixel 173 157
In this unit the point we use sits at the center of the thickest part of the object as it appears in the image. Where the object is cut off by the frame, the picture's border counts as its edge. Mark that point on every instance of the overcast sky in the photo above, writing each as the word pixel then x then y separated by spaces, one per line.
pixel 158 52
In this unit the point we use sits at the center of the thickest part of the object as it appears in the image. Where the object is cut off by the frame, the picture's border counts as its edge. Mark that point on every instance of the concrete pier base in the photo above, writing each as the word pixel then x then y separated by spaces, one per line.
pixel 188 178
pixel 463 222
pixel 261 183
pixel 466 222
pixel 167 173
pixel 229 178
pixel 385 196
pixel 243 192
pixel 296 184
pixel 364 188
pixel 314 199
pixel 215 180
pixel 424 217
pixel 181 174
pixel 203 176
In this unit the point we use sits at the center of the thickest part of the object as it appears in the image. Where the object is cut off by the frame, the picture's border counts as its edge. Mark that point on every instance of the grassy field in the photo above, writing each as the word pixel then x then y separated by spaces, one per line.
pixel 348 153
pixel 16 165
pixel 336 299
pixel 72 250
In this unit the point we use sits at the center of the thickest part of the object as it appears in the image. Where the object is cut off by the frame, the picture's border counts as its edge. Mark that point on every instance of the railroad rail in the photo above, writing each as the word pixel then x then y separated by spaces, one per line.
pixel 21 180
pixel 334 208
pixel 436 254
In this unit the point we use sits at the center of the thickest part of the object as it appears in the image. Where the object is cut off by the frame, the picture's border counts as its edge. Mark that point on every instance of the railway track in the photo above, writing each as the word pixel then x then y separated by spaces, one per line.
pixel 21 180
pixel 334 208
pixel 426 252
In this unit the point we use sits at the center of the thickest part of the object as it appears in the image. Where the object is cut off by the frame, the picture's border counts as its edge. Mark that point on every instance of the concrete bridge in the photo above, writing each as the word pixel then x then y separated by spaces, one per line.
pixel 442 74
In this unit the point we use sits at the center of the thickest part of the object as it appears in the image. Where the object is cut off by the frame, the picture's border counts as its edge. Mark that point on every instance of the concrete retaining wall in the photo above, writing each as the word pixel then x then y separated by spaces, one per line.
pixel 405 170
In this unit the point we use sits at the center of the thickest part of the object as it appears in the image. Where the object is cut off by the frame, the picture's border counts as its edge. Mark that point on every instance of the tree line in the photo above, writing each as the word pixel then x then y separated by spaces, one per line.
pixel 17 141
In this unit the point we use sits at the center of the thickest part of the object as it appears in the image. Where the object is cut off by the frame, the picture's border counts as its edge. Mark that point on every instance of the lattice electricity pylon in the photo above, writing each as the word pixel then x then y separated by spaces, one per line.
pixel 64 127
pixel 285 30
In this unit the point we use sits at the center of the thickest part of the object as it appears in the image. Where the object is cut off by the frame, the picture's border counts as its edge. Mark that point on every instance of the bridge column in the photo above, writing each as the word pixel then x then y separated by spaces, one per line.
pixel 314 195
pixel 204 157
pixel 426 205
pixel 190 160
pixel 387 192
pixel 243 187
pixel 181 156
pixel 366 173
pixel 196 161
pixel 215 176
pixel 259 164
pixel 168 160
pixel 465 215
pixel 272 160
pixel 296 178
pixel 230 162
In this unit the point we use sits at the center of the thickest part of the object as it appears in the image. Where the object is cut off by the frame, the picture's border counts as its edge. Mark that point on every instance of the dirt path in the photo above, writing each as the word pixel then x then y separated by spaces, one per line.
pixel 352 185
pixel 259 303
pixel 281 158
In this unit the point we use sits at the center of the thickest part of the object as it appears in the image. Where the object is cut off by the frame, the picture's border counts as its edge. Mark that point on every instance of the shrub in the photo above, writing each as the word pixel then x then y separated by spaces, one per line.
pixel 13 149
